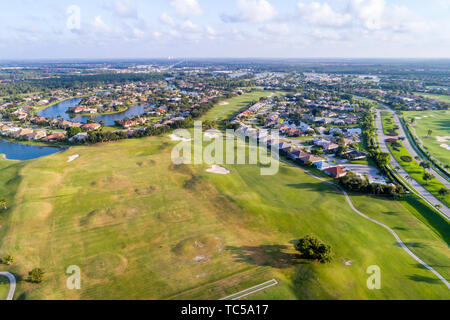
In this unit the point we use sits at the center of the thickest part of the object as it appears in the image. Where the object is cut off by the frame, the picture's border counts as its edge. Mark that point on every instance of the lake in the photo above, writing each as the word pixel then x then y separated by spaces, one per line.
pixel 17 151
pixel 59 110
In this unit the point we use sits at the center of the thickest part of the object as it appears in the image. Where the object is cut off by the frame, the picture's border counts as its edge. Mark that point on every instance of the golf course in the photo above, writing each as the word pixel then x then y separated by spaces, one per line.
pixel 140 227
pixel 439 123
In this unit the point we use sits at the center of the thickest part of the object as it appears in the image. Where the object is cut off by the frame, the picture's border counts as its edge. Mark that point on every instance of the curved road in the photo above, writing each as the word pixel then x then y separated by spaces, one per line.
pixel 399 241
pixel 431 199
pixel 12 284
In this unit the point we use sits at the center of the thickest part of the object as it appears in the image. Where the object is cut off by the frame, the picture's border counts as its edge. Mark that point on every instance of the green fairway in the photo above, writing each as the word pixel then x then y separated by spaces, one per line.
pixel 4 287
pixel 439 97
pixel 228 108
pixel 439 123
pixel 127 217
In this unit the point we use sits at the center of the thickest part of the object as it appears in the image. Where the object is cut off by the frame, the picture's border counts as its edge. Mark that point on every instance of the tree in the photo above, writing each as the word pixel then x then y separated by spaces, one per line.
pixel 73 131
pixel 383 159
pixel 430 132
pixel 312 248
pixel 8 260
pixel 427 177
pixel 36 275
pixel 425 165
pixel 443 192
pixel 4 204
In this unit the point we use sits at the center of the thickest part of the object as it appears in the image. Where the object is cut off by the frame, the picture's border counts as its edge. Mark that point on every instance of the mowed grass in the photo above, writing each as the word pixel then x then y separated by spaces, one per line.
pixel 389 126
pixel 230 107
pixel 4 287
pixel 125 214
pixel 439 123
pixel 439 97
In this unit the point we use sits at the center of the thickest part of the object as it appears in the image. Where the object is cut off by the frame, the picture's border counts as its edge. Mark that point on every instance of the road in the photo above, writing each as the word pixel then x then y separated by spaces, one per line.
pixel 394 164
pixel 399 241
pixel 413 152
pixel 12 284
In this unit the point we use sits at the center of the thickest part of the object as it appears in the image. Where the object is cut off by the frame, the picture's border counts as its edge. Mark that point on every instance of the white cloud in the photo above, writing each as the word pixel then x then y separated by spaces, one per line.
pixel 100 25
pixel 166 19
pixel 321 14
pixel 188 25
pixel 123 8
pixel 276 29
pixel 252 11
pixel 187 8
pixel 369 12
pixel 326 34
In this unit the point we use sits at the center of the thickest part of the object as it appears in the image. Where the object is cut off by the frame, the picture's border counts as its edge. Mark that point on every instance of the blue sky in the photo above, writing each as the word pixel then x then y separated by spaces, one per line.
pixel 217 28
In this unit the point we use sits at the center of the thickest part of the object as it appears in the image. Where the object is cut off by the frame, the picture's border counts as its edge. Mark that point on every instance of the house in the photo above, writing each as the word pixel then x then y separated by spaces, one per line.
pixel 284 147
pixel 336 172
pixel 79 137
pixel 22 132
pixel 310 159
pixel 296 154
pixel 54 137
pixel 390 140
pixel 36 135
pixel 91 126
pixel 322 165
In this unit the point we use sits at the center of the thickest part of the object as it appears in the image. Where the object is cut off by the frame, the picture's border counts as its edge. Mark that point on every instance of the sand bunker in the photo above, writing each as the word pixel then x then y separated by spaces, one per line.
pixel 218 170
pixel 72 158
pixel 175 137
pixel 213 135
pixel 442 139
pixel 224 103
pixel 445 146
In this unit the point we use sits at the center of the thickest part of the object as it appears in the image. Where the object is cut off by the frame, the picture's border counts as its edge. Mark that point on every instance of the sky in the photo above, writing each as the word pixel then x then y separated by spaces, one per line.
pixel 106 29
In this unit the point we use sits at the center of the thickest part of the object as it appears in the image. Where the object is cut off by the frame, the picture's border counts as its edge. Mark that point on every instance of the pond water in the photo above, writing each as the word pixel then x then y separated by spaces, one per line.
pixel 59 111
pixel 17 151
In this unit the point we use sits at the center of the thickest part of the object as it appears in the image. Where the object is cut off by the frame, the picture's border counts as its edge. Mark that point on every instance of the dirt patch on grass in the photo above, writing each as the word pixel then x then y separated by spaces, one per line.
pixel 106 216
pixel 145 191
pixel 147 163
pixel 105 265
pixel 114 182
pixel 198 249
pixel 174 216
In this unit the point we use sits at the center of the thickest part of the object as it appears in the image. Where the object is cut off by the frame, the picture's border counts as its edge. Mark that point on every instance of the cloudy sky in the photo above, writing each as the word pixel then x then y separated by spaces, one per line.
pixel 224 28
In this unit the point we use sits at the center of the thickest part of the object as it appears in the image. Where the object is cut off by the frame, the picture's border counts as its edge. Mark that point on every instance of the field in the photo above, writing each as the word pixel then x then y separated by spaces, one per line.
pixel 4 287
pixel 140 227
pixel 439 123
pixel 413 168
pixel 229 108
pixel 440 97
pixel 389 126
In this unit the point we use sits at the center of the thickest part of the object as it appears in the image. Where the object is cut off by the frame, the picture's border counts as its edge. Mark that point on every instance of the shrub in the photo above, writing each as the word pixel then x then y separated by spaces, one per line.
pixel 36 275
pixel 406 158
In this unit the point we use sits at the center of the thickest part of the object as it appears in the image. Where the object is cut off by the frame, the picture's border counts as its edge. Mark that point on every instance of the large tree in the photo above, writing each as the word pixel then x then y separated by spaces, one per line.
pixel 312 248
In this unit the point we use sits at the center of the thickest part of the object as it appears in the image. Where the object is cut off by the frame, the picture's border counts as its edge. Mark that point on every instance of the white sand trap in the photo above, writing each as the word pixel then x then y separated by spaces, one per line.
pixel 445 146
pixel 72 158
pixel 224 103
pixel 213 135
pixel 442 139
pixel 218 170
pixel 175 137
pixel 348 262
